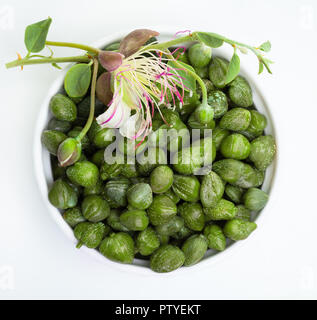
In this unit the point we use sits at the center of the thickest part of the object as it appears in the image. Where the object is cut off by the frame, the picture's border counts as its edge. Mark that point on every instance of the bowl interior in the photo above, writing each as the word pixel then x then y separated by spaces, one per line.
pixel 43 172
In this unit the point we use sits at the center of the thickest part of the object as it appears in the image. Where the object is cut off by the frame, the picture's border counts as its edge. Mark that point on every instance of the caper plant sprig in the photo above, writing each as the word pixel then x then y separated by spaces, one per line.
pixel 214 40
pixel 137 76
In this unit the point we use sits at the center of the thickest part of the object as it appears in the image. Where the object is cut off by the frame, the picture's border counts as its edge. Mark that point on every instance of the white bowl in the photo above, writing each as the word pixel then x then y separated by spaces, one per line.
pixel 43 172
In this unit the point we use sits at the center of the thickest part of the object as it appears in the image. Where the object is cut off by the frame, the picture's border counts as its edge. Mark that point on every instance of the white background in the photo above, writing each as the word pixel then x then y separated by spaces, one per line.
pixel 278 261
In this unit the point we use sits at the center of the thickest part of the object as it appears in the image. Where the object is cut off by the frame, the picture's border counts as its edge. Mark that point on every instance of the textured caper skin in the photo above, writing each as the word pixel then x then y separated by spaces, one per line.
pixel 109 171
pixel 80 229
pixel 172 195
pixel 224 210
pixel 193 215
pixel 202 72
pixel 62 195
pixel 98 158
pixel 183 233
pixel 140 196
pixel 240 92
pixel 52 139
pixel 236 119
pixel 114 221
pixel 186 187
pixel 209 85
pixel 144 165
pixel 147 241
pixel 129 170
pixel 211 190
pixel 57 170
pixel 199 55
pixel 73 216
pixel 257 125
pixel 243 213
pixel 172 118
pixel 104 137
pixel 171 227
pixel 96 189
pixel 115 192
pixel 218 101
pixel 255 199
pixel 90 234
pixel 190 102
pixel 218 135
pixel 194 249
pixel 234 193
pixel 101 137
pixel 161 179
pixel 262 151
pixel 238 229
pixel 134 220
pixel 204 150
pixel 204 113
pixel 235 146
pixel 63 108
pixel 194 124
pixel 84 173
pixel 164 239
pixel 59 125
pixel 218 71
pixel 118 247
pixel 165 136
pixel 183 162
pixel 95 208
pixel 215 237
pixel 161 210
pixel 238 173
pixel 167 258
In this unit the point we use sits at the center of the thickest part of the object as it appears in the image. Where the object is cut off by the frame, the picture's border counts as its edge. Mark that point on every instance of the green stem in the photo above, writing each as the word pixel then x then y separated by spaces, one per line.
pixel 73 45
pixel 79 245
pixel 202 85
pixel 197 78
pixel 193 37
pixel 26 61
pixel 92 102
pixel 171 43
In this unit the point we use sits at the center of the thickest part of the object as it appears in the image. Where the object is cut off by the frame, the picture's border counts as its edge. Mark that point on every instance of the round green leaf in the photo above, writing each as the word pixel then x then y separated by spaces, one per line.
pixel 210 39
pixel 233 68
pixel 77 80
pixel 35 35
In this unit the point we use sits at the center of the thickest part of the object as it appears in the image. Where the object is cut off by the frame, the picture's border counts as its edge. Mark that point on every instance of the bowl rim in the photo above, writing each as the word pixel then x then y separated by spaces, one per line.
pixel 39 172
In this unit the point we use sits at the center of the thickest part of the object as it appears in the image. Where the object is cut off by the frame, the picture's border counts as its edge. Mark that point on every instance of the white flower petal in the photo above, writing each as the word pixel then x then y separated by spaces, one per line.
pixel 134 127
pixel 128 128
pixel 119 117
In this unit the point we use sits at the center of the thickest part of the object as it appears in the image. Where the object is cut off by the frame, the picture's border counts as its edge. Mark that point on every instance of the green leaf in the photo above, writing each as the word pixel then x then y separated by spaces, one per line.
pixel 77 80
pixel 188 81
pixel 210 39
pixel 260 67
pixel 233 68
pixel 35 35
pixel 266 46
pixel 267 63
pixel 55 65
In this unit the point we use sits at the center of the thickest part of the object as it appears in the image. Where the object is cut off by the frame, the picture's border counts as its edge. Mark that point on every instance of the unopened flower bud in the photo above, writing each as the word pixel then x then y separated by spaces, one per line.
pixel 204 113
pixel 69 151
